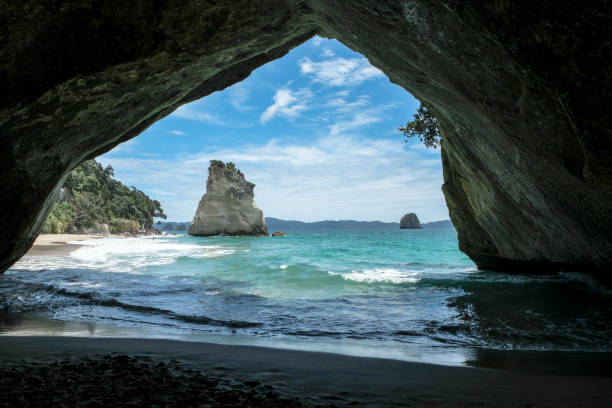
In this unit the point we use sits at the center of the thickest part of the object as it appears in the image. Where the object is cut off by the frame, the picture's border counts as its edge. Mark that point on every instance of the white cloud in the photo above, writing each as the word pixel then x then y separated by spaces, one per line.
pixel 342 106
pixel 176 132
pixel 316 41
pixel 340 71
pixel 158 192
pixel 190 112
pixel 417 145
pixel 360 119
pixel 287 103
pixel 341 175
pixel 327 53
pixel 335 103
pixel 335 177
pixel 350 117
pixel 126 147
pixel 238 95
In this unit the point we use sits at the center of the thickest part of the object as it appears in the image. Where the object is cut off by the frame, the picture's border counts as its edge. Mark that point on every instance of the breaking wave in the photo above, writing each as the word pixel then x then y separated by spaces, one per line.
pixel 390 275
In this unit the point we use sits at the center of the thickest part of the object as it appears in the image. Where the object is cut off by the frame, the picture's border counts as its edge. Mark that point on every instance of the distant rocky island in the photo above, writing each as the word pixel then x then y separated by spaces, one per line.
pixel 228 206
pixel 410 221
pixel 276 224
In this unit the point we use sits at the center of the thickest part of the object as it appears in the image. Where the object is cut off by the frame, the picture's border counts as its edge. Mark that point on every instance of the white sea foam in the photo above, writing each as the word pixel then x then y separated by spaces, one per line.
pixel 84 284
pixel 124 254
pixel 380 275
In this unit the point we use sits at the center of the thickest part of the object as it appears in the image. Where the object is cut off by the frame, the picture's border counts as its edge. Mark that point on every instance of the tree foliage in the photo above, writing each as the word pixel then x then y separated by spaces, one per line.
pixel 217 163
pixel 124 225
pixel 60 218
pixel 97 196
pixel 229 165
pixel 424 126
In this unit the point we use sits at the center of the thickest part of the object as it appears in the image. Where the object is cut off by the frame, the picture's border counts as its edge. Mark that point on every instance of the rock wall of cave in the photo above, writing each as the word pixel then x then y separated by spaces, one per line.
pixel 521 90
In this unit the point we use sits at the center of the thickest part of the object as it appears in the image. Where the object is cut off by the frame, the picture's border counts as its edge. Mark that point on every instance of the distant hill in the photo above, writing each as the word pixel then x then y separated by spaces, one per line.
pixel 276 224
pixel 438 224
pixel 172 226
pixel 280 225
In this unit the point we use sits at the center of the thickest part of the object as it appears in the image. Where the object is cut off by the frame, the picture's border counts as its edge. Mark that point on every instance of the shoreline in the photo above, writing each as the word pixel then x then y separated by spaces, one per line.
pixel 314 377
pixel 39 324
pixel 62 244
pixel 566 363
pixel 59 244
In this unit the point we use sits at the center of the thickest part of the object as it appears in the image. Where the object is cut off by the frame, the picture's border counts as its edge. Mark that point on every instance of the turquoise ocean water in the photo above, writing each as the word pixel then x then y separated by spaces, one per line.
pixel 388 292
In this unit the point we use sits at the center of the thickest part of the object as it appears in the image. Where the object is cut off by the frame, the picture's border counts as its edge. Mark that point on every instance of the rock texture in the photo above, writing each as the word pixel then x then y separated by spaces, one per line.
pixel 521 90
pixel 410 221
pixel 228 206
pixel 64 194
pixel 96 228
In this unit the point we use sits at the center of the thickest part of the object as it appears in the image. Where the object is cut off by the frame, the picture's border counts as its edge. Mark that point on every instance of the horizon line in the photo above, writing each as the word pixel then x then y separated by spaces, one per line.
pixel 311 222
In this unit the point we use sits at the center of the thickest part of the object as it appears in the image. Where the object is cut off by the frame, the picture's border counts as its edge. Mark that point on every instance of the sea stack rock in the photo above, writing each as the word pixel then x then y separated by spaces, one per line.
pixel 228 207
pixel 410 221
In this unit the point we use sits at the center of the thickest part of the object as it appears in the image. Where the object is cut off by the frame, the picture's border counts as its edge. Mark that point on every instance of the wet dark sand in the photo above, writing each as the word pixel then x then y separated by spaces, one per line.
pixel 124 371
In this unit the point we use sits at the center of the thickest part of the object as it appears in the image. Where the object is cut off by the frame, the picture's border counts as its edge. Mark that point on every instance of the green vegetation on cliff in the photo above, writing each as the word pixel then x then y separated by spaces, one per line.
pixel 98 197
pixel 228 165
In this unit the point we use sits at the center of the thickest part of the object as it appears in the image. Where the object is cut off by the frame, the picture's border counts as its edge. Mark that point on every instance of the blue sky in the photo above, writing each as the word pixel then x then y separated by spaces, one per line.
pixel 316 131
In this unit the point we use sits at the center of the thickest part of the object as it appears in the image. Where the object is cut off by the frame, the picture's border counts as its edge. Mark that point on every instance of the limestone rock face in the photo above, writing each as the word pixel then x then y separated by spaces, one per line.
pixel 410 221
pixel 64 194
pixel 520 89
pixel 96 228
pixel 228 206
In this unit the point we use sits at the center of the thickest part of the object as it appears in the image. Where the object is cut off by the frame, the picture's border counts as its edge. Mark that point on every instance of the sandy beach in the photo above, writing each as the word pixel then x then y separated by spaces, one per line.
pixel 136 371
pixel 60 244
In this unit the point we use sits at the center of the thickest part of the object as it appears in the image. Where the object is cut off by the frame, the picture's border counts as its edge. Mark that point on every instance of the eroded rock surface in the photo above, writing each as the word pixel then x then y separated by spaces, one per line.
pixel 410 221
pixel 521 91
pixel 96 228
pixel 228 206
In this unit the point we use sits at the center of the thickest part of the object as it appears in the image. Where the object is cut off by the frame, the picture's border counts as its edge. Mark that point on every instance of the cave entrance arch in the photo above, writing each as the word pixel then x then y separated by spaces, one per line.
pixel 316 131
pixel 527 177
